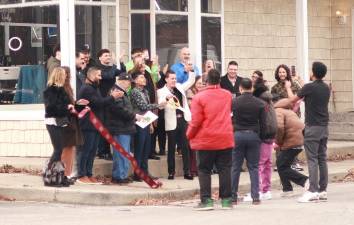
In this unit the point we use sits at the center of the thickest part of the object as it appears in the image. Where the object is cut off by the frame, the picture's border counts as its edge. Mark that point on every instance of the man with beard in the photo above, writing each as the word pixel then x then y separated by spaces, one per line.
pixel 86 153
pixel 109 74
pixel 231 81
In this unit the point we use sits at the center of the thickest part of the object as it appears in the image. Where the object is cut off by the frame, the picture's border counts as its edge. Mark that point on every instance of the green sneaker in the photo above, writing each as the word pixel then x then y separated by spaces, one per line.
pixel 205 206
pixel 226 203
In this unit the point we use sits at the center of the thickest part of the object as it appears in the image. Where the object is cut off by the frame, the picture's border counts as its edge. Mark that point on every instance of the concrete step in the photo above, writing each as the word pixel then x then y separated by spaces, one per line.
pixel 340 136
pixel 341 117
pixel 158 168
pixel 101 167
pixel 341 127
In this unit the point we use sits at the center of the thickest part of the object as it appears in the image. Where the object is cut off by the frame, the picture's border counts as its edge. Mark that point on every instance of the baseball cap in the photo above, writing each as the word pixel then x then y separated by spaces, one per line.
pixel 125 76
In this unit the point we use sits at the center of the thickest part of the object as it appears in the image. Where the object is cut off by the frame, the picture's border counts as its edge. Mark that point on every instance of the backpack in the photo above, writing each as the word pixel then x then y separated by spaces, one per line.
pixel 53 175
pixel 269 129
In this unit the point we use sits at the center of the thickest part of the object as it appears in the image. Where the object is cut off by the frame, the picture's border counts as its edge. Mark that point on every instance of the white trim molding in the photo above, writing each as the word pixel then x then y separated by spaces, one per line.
pixel 302 37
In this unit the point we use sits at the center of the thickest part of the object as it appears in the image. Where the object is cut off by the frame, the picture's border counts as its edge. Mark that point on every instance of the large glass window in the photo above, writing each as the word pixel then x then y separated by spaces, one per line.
pixel 211 31
pixel 211 6
pixel 88 28
pixel 5 2
pixel 169 29
pixel 172 5
pixel 171 36
pixel 140 4
pixel 140 31
pixel 211 40
pixel 26 44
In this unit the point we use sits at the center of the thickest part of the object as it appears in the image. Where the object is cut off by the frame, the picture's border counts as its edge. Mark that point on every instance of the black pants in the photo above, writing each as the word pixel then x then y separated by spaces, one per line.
pixel 55 134
pixel 284 160
pixel 160 134
pixel 172 134
pixel 222 159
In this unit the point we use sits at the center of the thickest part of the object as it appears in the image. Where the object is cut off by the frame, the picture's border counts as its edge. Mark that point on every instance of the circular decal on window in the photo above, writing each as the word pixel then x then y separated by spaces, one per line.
pixel 19 44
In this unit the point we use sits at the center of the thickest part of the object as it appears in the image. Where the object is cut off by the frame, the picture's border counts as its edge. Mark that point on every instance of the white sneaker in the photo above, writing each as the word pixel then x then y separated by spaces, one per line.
pixel 322 196
pixel 309 197
pixel 287 194
pixel 247 198
pixel 266 196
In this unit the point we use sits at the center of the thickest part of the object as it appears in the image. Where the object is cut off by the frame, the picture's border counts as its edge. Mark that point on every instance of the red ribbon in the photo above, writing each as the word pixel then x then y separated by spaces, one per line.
pixel 105 133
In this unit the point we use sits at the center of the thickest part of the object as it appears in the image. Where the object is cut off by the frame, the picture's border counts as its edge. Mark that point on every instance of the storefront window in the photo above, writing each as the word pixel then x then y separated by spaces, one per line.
pixel 211 6
pixel 211 40
pixel 172 5
pixel 26 44
pixel 171 36
pixel 88 28
pixel 140 31
pixel 140 4
pixel 5 2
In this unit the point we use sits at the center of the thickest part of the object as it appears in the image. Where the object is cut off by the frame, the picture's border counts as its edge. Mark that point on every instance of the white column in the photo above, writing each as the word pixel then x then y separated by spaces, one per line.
pixel 302 51
pixel 67 37
pixel 118 51
pixel 195 32
pixel 152 29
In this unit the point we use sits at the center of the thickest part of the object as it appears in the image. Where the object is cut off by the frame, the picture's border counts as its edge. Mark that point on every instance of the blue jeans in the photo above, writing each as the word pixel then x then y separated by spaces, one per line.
pixel 142 147
pixel 247 146
pixel 121 164
pixel 86 153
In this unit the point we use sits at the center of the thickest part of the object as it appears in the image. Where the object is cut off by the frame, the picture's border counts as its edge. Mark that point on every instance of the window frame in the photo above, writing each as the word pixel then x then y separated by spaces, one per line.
pixel 194 25
pixel 35 112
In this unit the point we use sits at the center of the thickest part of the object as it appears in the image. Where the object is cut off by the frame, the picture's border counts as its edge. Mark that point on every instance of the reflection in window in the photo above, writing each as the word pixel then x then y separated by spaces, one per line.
pixel 32 37
pixel 140 4
pixel 88 27
pixel 211 40
pixel 171 36
pixel 211 6
pixel 172 5
pixel 4 2
pixel 140 31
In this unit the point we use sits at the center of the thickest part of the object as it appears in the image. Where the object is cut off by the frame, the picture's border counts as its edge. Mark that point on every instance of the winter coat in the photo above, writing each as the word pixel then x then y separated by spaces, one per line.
pixel 56 102
pixel 289 134
pixel 211 126
pixel 97 103
pixel 51 64
pixel 109 74
pixel 120 116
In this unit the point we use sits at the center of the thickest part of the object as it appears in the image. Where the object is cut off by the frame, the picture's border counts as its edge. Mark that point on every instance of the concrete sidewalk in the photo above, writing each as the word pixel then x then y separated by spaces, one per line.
pixel 30 188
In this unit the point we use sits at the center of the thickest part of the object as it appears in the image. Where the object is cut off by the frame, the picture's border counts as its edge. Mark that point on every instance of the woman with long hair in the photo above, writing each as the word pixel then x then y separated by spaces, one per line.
pixel 72 135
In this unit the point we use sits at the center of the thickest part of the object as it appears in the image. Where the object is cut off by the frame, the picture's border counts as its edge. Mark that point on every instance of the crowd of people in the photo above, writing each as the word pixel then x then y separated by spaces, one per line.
pixel 215 121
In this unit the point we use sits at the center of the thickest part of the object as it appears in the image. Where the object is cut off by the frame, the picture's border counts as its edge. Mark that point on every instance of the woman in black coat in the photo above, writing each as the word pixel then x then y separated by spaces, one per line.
pixel 58 100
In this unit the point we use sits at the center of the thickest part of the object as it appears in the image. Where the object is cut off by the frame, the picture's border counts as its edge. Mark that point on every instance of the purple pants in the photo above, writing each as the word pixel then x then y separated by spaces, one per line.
pixel 265 167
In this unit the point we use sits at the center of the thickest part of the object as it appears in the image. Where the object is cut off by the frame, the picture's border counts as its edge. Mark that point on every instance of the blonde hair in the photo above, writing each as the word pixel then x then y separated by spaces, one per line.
pixel 57 77
pixel 67 86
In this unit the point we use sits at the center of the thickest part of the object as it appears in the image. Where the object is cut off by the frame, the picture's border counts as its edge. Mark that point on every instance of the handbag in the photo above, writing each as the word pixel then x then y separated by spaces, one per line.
pixel 62 121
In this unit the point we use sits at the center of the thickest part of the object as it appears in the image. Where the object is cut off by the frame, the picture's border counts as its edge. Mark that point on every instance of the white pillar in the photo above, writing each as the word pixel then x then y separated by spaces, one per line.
pixel 67 37
pixel 195 32
pixel 118 51
pixel 302 51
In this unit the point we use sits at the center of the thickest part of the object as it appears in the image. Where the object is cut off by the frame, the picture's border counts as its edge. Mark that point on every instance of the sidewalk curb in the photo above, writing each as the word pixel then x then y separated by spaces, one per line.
pixel 62 195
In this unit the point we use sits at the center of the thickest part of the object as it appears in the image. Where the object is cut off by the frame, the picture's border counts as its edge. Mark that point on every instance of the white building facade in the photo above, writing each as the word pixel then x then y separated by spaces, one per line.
pixel 258 34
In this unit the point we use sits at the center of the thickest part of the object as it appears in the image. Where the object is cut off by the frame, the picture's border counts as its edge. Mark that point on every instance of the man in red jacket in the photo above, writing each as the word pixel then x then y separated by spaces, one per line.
pixel 211 134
